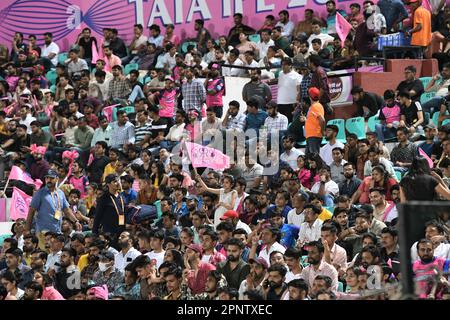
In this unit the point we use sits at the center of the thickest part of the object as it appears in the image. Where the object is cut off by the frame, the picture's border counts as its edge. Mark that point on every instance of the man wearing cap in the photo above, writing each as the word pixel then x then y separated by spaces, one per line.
pixel 314 122
pixel 258 270
pixel 233 217
pixel 196 270
pixel 50 204
pixel 110 210
pixel 107 273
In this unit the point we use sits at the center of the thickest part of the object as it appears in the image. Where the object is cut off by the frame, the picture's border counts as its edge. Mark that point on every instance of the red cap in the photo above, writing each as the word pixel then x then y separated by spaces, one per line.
pixel 230 214
pixel 314 93
pixel 196 247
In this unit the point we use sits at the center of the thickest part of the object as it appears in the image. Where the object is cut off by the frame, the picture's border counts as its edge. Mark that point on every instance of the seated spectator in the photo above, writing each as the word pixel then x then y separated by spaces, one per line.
pixel 351 183
pixel 380 178
pixel 389 117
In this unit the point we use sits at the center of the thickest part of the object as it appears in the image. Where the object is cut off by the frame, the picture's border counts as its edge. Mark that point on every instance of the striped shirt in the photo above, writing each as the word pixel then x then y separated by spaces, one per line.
pixel 122 134
pixel 140 131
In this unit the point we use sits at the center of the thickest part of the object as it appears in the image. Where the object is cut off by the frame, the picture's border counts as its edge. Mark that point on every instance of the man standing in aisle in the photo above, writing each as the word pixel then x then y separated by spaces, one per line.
pixel 50 204
pixel 288 88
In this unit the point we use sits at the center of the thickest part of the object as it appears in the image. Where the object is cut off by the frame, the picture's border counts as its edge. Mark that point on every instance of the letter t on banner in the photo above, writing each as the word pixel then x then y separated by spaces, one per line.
pixel 343 27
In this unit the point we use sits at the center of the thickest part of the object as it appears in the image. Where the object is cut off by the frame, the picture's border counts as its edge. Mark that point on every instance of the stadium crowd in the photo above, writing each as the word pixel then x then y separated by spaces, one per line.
pixel 123 215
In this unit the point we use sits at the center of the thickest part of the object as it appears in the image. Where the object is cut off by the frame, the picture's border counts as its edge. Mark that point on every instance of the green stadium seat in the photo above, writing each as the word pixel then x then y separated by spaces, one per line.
pixel 356 126
pixel 62 57
pixel 399 175
pixel 3 237
pixel 53 88
pixel 372 122
pixel 340 123
pixel 46 129
pixel 256 38
pixel 131 66
pixel 427 96
pixel 340 287
pixel 446 121
pixel 51 76
pixel 186 44
pixel 435 118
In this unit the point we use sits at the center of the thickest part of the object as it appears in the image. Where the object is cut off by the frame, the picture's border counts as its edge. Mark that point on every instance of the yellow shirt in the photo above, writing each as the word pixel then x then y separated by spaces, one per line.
pixel 83 262
pixel 325 215
pixel 109 169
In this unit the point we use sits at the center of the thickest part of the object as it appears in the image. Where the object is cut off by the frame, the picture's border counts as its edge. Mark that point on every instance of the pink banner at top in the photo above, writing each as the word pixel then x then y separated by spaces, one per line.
pixel 66 19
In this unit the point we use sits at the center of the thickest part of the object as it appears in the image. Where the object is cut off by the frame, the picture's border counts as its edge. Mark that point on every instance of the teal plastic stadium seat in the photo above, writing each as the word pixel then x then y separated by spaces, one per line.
pixel 356 126
pixel 340 287
pixel 46 129
pixel 256 38
pixel 3 237
pixel 436 117
pixel 372 122
pixel 425 81
pixel 131 66
pixel 51 76
pixel 340 123
pixel 427 96
pixel 398 175
pixel 53 88
pixel 186 44
pixel 446 121
pixel 62 57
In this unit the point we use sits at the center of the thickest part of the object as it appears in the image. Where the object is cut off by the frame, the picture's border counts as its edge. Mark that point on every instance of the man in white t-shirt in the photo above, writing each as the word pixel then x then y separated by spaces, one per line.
pixel 317 34
pixel 269 237
pixel 156 243
pixel 293 256
pixel 288 88
pixel 296 215
pixel 264 44
pixel 233 59
pixel 290 153
pixel 326 188
pixel 127 254
pixel 326 152
pixel 49 52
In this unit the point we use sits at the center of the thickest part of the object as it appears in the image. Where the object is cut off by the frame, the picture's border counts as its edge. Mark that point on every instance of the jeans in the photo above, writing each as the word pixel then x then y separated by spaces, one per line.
pixel 126 60
pixel 402 170
pixel 313 145
pixel 384 132
pixel 328 200
pixel 166 144
pixel 432 105
pixel 137 92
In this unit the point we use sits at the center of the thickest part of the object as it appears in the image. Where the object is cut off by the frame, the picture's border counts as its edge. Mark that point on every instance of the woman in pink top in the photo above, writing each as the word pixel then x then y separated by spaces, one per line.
pixel 49 292
pixel 304 175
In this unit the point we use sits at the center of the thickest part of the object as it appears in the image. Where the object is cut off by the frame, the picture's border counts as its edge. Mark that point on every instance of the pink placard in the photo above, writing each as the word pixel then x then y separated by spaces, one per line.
pixel 2 210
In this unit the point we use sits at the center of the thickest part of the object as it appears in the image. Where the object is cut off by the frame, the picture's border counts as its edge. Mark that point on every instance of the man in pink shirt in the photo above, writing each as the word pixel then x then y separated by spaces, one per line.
pixel 428 271
pixel 196 271
pixel 110 59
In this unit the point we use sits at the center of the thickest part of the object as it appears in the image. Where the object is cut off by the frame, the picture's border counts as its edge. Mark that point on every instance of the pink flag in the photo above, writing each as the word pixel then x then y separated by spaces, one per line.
pixel 108 112
pixel 343 27
pixel 91 159
pixel 423 154
pixel 20 203
pixel 207 157
pixel 426 5
pixel 95 56
pixel 17 174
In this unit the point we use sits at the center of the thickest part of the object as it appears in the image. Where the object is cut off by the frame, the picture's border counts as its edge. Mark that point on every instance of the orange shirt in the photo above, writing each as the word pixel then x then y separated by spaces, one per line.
pixel 312 125
pixel 422 37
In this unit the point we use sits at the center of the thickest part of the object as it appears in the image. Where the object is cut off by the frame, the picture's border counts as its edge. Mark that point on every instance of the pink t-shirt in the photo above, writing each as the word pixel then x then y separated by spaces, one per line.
pixel 424 273
pixel 50 293
pixel 79 184
pixel 168 100
pixel 216 99
pixel 391 114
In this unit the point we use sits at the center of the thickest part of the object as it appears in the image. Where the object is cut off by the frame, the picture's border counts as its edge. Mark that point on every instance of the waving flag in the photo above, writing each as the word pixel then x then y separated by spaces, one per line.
pixel 20 203
pixel 18 174
pixel 207 157
pixel 343 27
pixel 423 154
